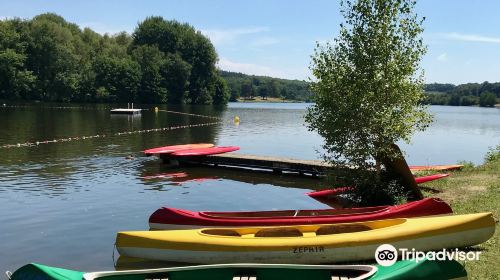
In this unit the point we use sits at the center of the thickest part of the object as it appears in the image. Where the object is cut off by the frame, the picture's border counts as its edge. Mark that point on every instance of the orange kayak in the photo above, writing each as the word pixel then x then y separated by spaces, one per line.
pixel 435 167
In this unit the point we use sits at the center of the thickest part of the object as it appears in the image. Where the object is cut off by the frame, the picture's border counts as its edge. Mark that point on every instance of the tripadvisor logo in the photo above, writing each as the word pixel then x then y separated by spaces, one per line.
pixel 387 255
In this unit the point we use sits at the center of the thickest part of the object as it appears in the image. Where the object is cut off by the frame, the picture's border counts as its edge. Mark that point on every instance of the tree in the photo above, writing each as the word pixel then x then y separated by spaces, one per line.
pixel 487 99
pixel 272 88
pixel 176 74
pixel 151 60
pixel 120 77
pixel 247 89
pixel 53 57
pixel 368 84
pixel 221 94
pixel 196 50
pixel 263 91
pixel 15 82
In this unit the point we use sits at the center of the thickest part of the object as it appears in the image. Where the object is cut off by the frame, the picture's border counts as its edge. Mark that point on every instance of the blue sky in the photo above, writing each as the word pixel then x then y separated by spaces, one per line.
pixel 276 38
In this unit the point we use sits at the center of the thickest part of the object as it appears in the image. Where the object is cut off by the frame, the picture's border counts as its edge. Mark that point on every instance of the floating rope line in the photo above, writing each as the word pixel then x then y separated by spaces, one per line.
pixel 189 114
pixel 54 107
pixel 31 144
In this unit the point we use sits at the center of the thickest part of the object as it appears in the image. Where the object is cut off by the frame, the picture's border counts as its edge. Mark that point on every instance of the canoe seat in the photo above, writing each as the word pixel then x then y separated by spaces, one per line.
pixel 278 232
pixel 309 234
pixel 337 229
pixel 244 277
pixel 221 232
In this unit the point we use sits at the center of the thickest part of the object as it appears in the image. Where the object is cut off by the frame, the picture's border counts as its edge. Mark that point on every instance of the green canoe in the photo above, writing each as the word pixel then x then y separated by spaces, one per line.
pixel 400 270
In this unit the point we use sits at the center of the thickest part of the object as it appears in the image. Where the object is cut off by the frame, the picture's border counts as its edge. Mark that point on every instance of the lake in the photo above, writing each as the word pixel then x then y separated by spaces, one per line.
pixel 62 203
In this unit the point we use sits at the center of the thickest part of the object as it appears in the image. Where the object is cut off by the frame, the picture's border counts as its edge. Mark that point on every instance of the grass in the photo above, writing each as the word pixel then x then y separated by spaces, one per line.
pixel 473 190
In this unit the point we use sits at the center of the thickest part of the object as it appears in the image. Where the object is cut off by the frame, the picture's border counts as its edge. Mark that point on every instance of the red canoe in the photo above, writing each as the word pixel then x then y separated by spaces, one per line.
pixel 424 179
pixel 171 218
pixel 205 151
pixel 175 148
pixel 333 192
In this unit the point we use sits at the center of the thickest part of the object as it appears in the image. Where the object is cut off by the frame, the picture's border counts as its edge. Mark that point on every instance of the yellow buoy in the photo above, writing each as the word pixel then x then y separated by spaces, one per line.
pixel 236 120
pixel 156 109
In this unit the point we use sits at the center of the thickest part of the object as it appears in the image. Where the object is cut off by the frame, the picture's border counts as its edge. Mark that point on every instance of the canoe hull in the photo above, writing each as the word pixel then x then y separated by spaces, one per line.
pixel 175 148
pixel 205 151
pixel 206 246
pixel 170 218
pixel 306 254
pixel 400 270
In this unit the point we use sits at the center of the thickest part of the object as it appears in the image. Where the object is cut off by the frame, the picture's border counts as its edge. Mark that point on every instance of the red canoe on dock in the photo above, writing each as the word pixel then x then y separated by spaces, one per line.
pixel 435 167
pixel 425 179
pixel 323 194
pixel 171 218
pixel 176 148
pixel 205 151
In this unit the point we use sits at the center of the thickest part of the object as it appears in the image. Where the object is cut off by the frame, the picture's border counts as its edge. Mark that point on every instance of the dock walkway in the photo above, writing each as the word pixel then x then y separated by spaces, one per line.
pixel 276 164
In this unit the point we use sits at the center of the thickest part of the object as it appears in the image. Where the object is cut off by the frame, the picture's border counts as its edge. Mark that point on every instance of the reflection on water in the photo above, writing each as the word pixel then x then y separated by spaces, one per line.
pixel 63 203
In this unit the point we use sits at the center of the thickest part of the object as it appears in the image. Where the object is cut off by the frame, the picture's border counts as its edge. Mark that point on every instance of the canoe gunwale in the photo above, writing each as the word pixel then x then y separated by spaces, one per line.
pixel 312 228
pixel 213 215
pixel 370 269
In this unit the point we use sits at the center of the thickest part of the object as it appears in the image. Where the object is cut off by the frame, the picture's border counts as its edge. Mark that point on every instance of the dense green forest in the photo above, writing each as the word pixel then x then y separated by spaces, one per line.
pixel 249 86
pixel 471 94
pixel 49 59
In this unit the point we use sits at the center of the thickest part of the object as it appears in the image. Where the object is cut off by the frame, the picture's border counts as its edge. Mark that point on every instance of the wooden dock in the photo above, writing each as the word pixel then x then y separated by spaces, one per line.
pixel 275 164
pixel 303 167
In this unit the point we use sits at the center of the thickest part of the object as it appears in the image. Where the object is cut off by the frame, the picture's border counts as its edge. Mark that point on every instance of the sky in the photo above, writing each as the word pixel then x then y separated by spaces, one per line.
pixel 276 38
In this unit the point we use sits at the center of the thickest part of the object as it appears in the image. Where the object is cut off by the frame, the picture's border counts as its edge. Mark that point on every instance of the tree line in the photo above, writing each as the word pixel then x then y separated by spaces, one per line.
pixel 250 86
pixel 471 94
pixel 47 58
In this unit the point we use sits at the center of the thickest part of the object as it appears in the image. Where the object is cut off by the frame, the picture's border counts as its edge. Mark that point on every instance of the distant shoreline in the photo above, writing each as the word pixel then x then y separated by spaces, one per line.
pixel 258 99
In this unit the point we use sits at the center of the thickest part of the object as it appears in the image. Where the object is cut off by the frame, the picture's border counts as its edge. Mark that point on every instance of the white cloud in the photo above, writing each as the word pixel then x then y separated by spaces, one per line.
pixel 222 36
pixel 442 57
pixel 472 38
pixel 248 68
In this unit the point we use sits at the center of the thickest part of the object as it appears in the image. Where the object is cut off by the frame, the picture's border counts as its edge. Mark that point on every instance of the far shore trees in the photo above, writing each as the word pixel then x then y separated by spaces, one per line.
pixel 487 99
pixel 49 59
pixel 368 86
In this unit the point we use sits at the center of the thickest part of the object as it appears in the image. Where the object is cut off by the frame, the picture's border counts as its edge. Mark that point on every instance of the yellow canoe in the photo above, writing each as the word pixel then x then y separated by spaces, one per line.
pixel 307 244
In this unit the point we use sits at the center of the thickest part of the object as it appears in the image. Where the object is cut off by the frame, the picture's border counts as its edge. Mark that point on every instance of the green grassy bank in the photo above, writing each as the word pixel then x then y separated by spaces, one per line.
pixel 472 190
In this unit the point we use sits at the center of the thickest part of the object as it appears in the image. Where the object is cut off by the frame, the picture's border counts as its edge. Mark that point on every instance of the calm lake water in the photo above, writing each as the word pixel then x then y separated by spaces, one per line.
pixel 61 204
